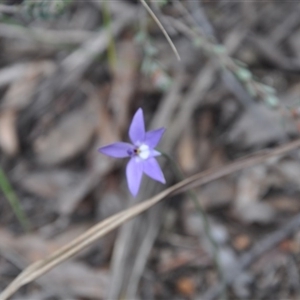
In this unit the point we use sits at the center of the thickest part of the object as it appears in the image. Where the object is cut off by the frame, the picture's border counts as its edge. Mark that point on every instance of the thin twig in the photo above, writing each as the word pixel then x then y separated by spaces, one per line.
pixel 161 27
pixel 217 51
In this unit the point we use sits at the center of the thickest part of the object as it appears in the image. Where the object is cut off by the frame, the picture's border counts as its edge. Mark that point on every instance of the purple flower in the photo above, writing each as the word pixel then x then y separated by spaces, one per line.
pixel 141 152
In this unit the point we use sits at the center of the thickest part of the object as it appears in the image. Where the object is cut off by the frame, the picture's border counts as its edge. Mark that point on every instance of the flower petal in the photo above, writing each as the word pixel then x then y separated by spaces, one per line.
pixel 134 173
pixel 153 137
pixel 153 170
pixel 137 127
pixel 119 149
pixel 154 152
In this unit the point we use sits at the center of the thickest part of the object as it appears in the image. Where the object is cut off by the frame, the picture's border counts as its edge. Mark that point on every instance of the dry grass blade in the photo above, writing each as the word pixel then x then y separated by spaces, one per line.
pixel 161 27
pixel 39 268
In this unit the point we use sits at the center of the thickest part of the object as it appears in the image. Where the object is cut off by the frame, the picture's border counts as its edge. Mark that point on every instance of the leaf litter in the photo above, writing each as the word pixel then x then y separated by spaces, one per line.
pixel 60 103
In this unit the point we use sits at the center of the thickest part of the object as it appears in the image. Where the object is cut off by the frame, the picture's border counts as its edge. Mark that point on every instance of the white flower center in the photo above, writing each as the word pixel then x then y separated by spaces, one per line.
pixel 143 151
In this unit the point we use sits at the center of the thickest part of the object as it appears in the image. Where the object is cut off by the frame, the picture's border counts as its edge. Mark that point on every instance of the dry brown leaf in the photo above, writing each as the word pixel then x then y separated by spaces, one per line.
pixel 111 202
pixel 250 188
pixel 287 245
pixel 186 152
pixel 257 212
pixel 284 203
pixel 250 185
pixel 20 92
pixel 106 129
pixel 76 279
pixel 217 158
pixel 9 141
pixel 48 184
pixel 186 286
pixel 32 247
pixel 290 170
pixel 68 138
pixel 64 188
pixel 204 152
pixel 217 193
pixel 124 83
pixel 72 278
pixel 268 126
pixel 82 183
pixel 170 262
pixel 241 242
pixel 70 197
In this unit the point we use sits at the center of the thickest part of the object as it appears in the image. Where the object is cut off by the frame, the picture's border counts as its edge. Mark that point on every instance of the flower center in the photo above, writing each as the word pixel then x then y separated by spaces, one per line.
pixel 142 151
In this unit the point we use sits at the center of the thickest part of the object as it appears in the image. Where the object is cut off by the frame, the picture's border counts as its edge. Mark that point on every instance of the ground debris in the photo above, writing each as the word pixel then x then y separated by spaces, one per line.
pixel 72 135
pixel 71 82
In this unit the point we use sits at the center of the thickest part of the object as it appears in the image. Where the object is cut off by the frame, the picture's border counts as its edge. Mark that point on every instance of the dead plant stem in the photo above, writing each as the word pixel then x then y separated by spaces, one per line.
pixel 152 14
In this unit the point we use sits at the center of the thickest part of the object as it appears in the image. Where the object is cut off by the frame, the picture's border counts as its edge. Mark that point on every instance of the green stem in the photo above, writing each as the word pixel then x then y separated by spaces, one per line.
pixel 13 201
pixel 206 225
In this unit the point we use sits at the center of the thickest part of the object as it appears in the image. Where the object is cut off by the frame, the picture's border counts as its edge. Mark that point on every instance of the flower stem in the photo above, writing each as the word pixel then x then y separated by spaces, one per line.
pixel 207 228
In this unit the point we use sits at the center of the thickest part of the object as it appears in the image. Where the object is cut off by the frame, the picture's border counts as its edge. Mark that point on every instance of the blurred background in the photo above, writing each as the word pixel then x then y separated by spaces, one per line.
pixel 73 73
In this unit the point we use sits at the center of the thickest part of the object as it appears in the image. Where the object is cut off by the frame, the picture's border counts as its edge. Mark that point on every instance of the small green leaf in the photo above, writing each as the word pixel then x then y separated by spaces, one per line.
pixel 240 63
pixel 272 101
pixel 243 74
pixel 251 90
pixel 150 50
pixel 197 42
pixel 163 81
pixel 269 89
pixel 140 37
pixel 13 201
pixel 219 49
pixel 162 3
